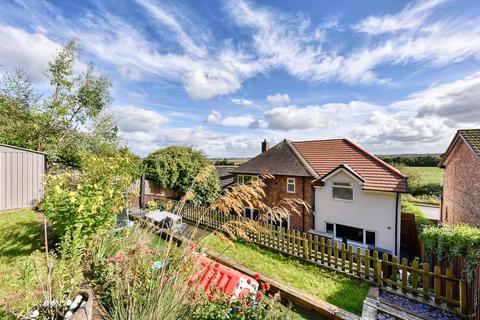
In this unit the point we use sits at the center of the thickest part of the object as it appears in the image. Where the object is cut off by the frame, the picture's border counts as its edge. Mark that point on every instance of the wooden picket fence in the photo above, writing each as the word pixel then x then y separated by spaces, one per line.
pixel 415 280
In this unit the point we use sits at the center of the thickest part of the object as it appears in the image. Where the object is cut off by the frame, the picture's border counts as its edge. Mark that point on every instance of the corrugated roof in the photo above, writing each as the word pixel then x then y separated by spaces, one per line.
pixel 326 155
pixel 278 160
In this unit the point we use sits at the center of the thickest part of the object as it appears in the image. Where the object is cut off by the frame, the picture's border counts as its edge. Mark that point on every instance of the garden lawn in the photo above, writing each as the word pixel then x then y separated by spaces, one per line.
pixel 331 286
pixel 19 238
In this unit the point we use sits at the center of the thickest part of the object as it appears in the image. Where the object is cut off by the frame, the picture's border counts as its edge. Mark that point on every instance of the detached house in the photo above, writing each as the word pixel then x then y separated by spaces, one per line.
pixel 355 196
pixel 461 187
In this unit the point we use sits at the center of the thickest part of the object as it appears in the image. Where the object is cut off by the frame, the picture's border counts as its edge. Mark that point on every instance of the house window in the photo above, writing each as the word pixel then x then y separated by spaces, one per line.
pixel 244 179
pixel 329 228
pixel 250 213
pixel 370 238
pixel 291 185
pixel 342 191
pixel 351 234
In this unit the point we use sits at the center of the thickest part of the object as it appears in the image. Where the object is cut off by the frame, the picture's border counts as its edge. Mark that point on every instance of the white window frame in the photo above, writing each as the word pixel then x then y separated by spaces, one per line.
pixel 350 186
pixel 291 181
pixel 364 244
pixel 241 178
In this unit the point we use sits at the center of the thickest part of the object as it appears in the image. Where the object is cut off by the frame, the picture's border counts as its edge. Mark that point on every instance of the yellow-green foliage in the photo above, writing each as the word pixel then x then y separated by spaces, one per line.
pixel 87 203
pixel 448 242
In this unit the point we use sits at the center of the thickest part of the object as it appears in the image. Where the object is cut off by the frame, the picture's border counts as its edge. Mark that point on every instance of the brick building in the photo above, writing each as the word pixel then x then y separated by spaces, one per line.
pixel 461 187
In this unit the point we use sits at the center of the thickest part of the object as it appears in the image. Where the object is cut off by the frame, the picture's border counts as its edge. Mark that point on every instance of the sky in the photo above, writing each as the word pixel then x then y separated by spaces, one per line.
pixel 221 76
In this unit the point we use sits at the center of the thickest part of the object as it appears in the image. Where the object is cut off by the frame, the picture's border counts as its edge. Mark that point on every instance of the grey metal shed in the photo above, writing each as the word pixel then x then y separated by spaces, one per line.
pixel 21 177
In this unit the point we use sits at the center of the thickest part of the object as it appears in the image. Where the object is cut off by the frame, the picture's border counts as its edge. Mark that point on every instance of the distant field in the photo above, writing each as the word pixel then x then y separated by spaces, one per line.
pixel 426 174
pixel 425 184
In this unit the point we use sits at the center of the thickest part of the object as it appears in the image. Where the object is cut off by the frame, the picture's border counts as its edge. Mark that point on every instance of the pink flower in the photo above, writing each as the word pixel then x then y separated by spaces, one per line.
pixel 256 276
pixel 259 296
pixel 249 281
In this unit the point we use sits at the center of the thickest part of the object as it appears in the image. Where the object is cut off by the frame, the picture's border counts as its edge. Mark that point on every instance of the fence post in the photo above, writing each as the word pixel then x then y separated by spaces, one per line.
pixel 426 280
pixel 404 274
pixel 350 259
pixel 359 262
pixel 384 268
pixel 305 245
pixel 322 250
pixel 335 253
pixel 415 276
pixel 394 271
pixel 437 283
pixel 329 251
pixel 367 264
pixel 288 240
pixel 463 297
pixel 298 238
pixel 310 245
pixel 449 287
pixel 344 255
pixel 375 268
pixel 315 247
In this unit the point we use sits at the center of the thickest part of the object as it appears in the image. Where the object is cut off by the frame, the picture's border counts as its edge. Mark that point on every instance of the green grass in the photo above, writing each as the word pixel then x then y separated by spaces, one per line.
pixel 19 239
pixel 427 174
pixel 425 184
pixel 331 286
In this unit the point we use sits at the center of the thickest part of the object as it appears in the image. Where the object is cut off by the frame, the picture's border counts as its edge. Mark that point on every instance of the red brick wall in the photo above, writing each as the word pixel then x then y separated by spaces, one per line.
pixel 277 189
pixel 461 189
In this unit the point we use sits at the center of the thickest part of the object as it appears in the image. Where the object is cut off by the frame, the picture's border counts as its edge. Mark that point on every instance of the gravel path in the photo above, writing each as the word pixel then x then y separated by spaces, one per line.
pixel 417 308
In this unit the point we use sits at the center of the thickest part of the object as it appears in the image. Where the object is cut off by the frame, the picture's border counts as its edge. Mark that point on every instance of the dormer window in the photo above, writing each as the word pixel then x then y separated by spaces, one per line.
pixel 291 185
pixel 342 191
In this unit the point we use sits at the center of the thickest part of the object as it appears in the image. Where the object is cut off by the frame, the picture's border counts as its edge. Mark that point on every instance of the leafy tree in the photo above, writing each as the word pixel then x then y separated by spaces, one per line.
pixel 68 119
pixel 184 169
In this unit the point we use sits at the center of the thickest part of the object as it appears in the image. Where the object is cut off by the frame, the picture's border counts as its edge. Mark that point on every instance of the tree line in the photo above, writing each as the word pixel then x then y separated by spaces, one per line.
pixel 412 160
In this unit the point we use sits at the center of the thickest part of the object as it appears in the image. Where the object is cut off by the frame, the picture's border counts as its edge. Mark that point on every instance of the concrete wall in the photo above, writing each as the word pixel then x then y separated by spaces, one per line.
pixel 276 190
pixel 461 187
pixel 369 210
pixel 21 177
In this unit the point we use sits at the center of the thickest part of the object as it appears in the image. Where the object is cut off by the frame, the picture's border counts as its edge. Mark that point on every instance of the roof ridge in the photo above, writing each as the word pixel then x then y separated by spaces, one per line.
pixel 302 160
pixel 316 140
pixel 380 161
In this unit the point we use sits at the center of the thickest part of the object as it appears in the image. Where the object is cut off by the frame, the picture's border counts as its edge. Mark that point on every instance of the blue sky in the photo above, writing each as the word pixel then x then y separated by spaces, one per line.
pixel 393 76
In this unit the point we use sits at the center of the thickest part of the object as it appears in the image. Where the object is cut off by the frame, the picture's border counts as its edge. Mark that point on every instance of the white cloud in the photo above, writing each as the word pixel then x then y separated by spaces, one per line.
pixel 411 17
pixel 163 16
pixel 201 85
pixel 329 115
pixel 278 99
pixel 31 51
pixel 132 119
pixel 457 101
pixel 216 117
pixel 241 101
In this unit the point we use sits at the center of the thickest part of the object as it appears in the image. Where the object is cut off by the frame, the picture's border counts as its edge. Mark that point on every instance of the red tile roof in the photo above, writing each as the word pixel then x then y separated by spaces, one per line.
pixel 325 155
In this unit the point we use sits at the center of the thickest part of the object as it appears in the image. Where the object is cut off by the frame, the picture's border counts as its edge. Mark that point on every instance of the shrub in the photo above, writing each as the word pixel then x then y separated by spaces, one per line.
pixel 448 242
pixel 84 204
pixel 178 167
pixel 413 160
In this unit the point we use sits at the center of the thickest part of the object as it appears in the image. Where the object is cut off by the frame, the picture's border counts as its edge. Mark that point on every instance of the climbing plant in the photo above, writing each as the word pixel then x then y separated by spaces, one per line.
pixel 448 242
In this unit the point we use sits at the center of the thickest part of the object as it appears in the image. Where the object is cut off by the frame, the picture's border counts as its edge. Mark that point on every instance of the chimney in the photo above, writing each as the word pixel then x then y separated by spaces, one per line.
pixel 264 145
